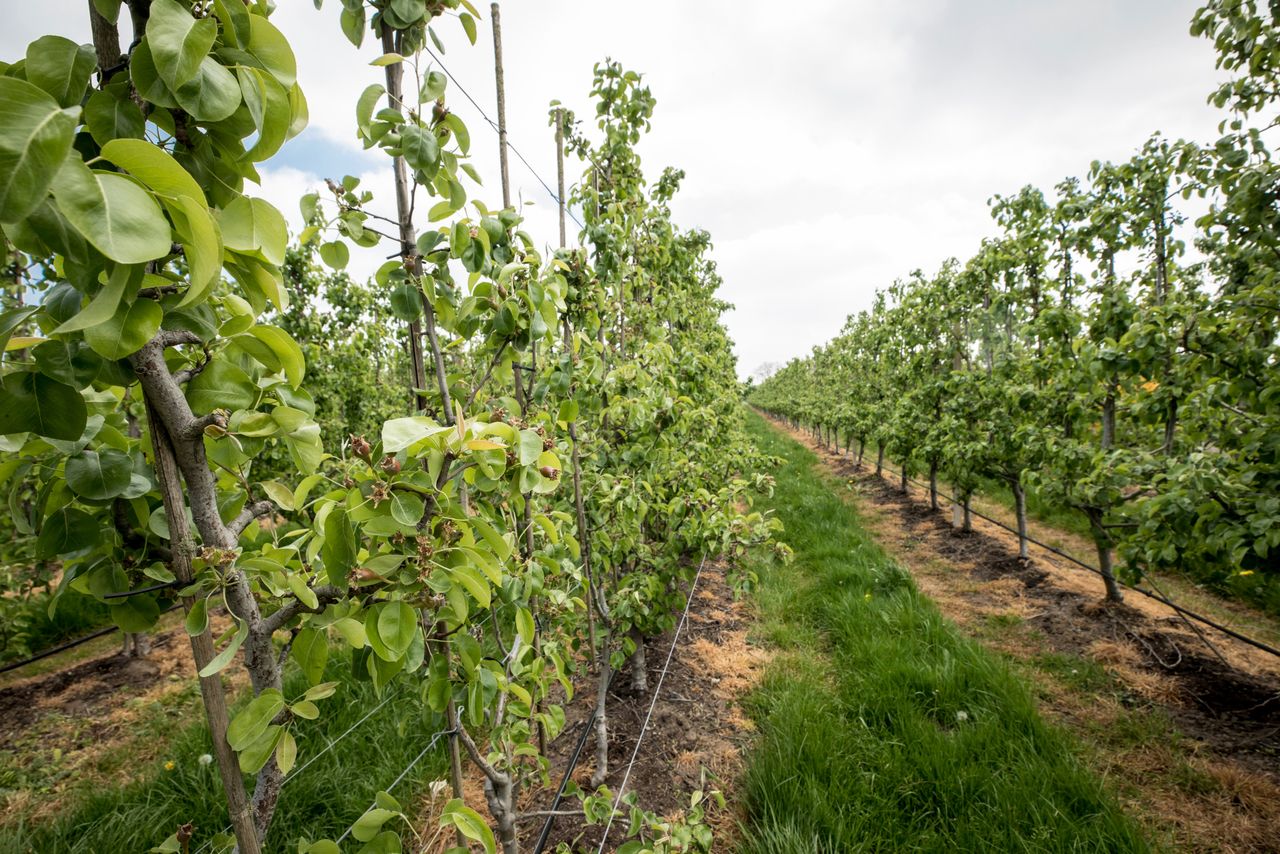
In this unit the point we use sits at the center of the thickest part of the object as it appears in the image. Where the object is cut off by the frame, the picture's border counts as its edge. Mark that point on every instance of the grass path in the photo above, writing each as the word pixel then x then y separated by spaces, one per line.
pixel 882 727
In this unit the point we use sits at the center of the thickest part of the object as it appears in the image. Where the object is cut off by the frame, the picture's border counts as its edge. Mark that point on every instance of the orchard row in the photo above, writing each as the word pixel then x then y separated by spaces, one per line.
pixel 573 450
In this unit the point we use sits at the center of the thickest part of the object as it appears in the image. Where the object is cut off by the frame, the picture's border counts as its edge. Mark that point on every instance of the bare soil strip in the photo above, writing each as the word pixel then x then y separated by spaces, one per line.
pixel 84 725
pixel 696 723
pixel 1192 746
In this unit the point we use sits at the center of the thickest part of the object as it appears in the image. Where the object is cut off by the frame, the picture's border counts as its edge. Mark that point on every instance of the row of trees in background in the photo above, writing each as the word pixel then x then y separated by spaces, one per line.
pixel 520 486
pixel 1083 355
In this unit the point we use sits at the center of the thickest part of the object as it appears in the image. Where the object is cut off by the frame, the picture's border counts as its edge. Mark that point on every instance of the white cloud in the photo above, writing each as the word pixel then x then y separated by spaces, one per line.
pixel 828 150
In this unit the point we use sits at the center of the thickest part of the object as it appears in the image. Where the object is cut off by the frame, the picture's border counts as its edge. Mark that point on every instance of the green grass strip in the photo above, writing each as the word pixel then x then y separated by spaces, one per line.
pixel 321 801
pixel 882 728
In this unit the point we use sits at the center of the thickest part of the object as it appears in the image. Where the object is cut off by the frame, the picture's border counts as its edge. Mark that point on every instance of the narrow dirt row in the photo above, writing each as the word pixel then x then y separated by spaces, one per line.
pixel 1191 744
pixel 696 722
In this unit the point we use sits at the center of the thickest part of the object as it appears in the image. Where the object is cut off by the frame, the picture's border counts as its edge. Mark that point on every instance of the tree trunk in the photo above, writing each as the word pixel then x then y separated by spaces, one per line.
pixel 879 460
pixel 1102 542
pixel 639 664
pixel 1020 508
pixel 602 725
pixel 968 516
pixel 933 484
pixel 202 648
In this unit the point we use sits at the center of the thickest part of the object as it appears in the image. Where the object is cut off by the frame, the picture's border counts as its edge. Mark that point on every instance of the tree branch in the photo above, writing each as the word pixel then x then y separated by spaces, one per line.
pixel 256 510
pixel 324 594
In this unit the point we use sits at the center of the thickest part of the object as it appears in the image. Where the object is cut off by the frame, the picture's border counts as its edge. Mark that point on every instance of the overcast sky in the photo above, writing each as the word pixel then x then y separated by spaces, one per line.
pixel 828 149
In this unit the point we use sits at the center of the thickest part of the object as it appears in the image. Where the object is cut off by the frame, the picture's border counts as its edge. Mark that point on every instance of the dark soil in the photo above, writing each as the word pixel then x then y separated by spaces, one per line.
pixel 79 690
pixel 1235 715
pixel 693 725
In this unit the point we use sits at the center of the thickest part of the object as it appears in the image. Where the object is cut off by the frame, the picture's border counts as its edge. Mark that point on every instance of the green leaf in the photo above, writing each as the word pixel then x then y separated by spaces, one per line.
pixel 406 508
pixel 335 253
pixel 279 493
pixel 135 613
pixel 223 658
pixel 368 825
pixel 123 279
pixel 304 594
pixel 469 25
pixel 109 9
pixel 352 631
pixel 469 823
pixel 306 710
pixel 253 720
pixel 236 26
pixel 122 220
pixel 270 47
pixel 497 543
pixel 286 350
pixel 131 327
pixel 269 107
pixel 433 85
pixel 110 117
pixel 179 42
pixel 311 651
pixel 201 244
pixel 530 447
pixel 99 475
pixel 365 105
pixel 60 67
pixel 197 618
pixel 387 59
pixel 420 149
pixel 222 385
pixel 34 403
pixel 65 531
pixel 400 433
pixel 146 77
pixel 154 167
pixel 287 749
pixel 474 582
pixel 397 623
pixel 352 23
pixel 213 95
pixel 339 549
pixel 35 137
pixel 525 625
pixel 253 225
pixel 258 752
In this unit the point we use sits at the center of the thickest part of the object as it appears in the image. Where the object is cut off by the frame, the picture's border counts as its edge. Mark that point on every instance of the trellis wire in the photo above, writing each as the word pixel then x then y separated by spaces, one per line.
pixel 330 746
pixel 434 740
pixel 494 127
pixel 622 788
pixel 1157 597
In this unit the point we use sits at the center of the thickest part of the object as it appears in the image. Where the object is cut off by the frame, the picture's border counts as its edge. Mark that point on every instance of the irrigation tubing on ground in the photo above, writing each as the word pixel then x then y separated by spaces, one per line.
pixel 1164 600
pixel 564 781
pixel 72 644
pixel 657 691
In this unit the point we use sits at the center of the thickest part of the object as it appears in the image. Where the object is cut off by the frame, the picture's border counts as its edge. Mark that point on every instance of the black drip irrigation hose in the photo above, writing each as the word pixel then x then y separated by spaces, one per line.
pixel 573 764
pixel 1164 600
pixel 72 644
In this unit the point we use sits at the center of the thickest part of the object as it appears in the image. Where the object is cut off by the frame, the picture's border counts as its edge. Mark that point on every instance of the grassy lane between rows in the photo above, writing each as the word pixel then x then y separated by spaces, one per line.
pixel 882 728
pixel 323 800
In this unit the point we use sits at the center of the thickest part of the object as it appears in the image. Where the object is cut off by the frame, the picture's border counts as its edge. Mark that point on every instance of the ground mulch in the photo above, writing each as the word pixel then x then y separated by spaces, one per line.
pixel 1225 714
